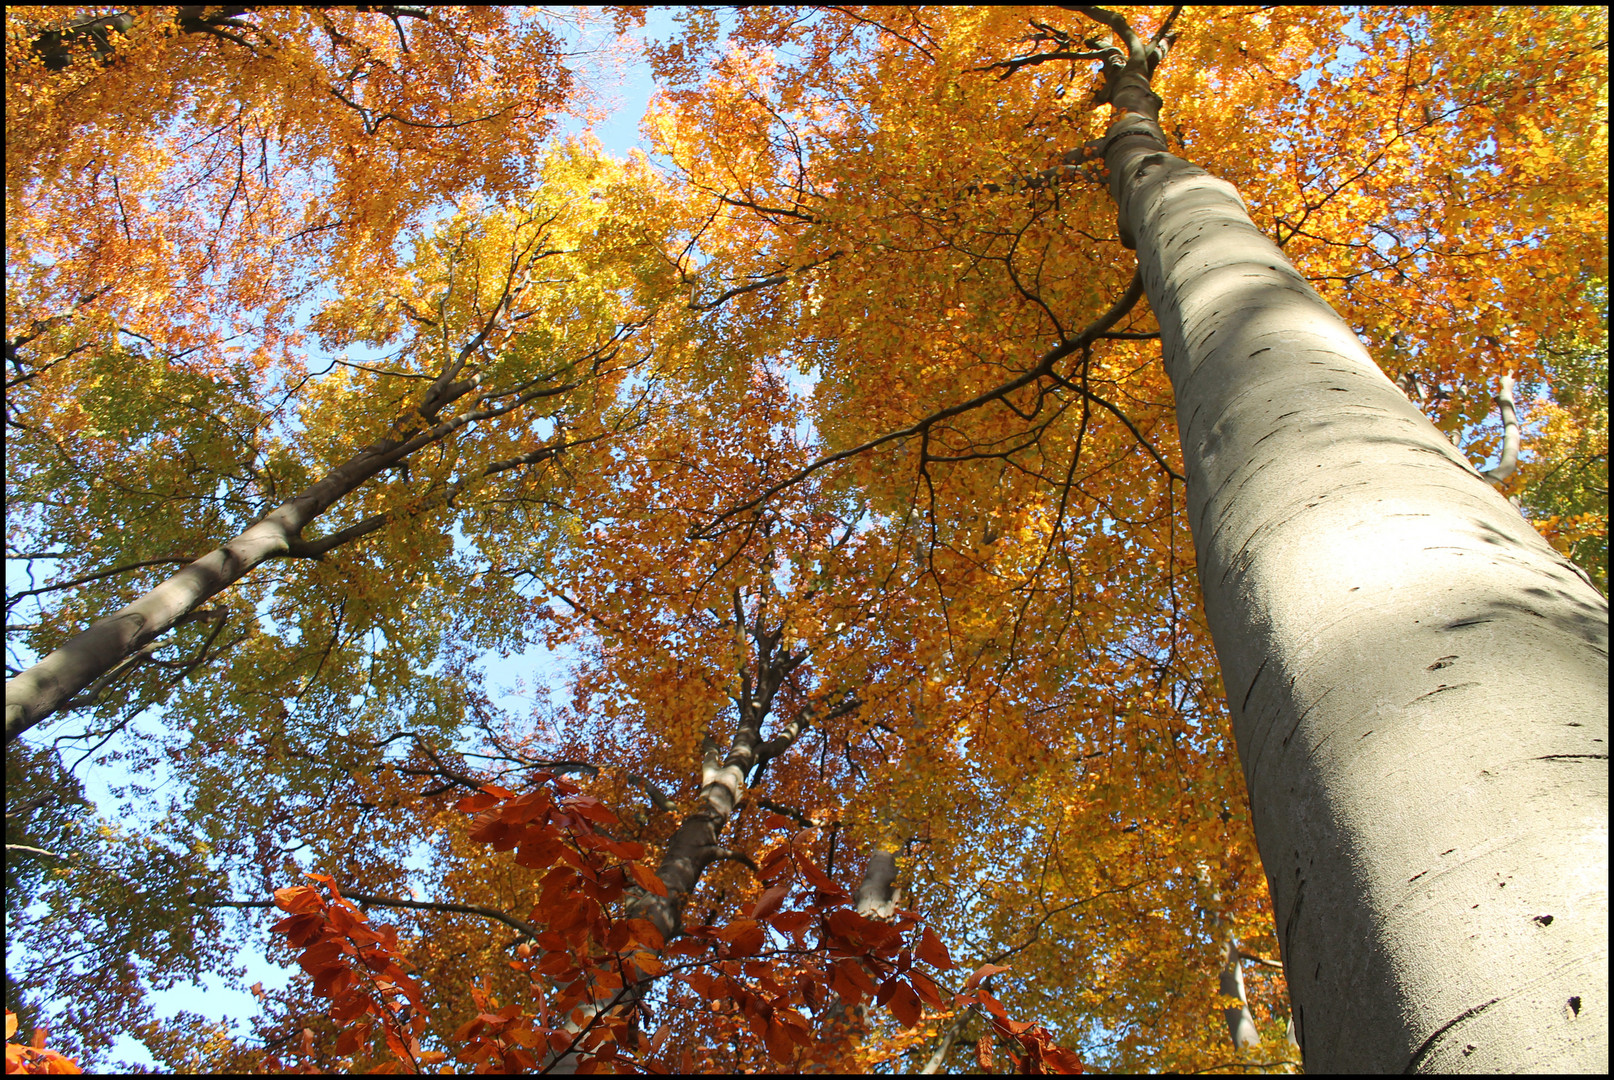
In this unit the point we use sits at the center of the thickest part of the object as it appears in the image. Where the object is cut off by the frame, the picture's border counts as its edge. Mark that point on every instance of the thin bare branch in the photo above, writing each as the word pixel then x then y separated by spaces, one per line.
pixel 1042 369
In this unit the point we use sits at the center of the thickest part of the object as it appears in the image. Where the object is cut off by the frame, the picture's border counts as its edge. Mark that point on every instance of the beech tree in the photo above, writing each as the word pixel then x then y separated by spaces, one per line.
pixel 1328 544
pixel 1329 538
pixel 972 402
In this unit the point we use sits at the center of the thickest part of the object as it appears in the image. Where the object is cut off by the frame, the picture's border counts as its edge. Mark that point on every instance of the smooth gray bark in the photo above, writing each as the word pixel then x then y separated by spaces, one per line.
pixel 1417 681
pixel 876 894
pixel 52 682
pixel 43 688
pixel 1508 460
pixel 1241 1027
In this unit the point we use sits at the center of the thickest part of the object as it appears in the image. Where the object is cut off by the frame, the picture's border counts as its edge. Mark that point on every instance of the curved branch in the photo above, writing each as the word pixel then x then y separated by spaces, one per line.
pixel 762 283
pixel 511 921
pixel 785 811
pixel 658 798
pixel 1510 434
pixel 13 597
pixel 1043 368
pixel 1096 400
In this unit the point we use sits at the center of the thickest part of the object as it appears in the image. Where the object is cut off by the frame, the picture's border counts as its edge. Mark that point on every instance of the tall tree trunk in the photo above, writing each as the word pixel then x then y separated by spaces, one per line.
pixel 1418 683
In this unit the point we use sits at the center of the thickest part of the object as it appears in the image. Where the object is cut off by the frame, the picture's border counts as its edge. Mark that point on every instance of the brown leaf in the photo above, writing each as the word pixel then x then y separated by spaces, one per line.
pixel 985 971
pixel 770 901
pixel 931 950
pixel 905 1005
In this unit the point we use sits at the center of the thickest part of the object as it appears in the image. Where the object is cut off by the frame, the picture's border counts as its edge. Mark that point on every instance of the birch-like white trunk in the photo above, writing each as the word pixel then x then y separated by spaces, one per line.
pixel 1417 681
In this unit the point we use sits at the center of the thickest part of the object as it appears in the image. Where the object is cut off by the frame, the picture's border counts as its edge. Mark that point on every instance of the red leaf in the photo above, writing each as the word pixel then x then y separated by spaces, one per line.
pixel 503 837
pixel 343 919
pixel 691 944
pixel 776 865
pixel 321 954
pixel 298 899
pixel 983 1051
pixel 781 1047
pixel 905 1005
pixel 591 808
pixel 472 804
pixel 301 929
pixel 533 805
pixel 622 849
pixel 985 971
pixel 647 880
pixel 770 901
pixel 537 853
pixel 858 930
pixel 332 981
pixel 617 939
pixel 645 932
pixel 820 880
pixel 1058 1059
pixel 931 950
pixel 744 936
pixel 351 1039
pixel 612 883
pixel 791 922
pixel 802 1031
pixel 351 1006
pixel 851 982
pixel 401 1050
pixel 858 974
pixel 927 989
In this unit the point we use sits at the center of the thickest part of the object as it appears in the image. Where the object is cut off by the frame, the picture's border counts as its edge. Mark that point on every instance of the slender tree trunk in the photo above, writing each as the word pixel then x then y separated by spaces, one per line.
pixel 876 894
pixel 1417 681
pixel 1241 1027
pixel 697 842
pixel 50 683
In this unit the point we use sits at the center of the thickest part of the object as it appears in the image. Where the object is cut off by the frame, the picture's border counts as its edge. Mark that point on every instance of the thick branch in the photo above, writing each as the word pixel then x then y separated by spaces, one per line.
pixel 45 687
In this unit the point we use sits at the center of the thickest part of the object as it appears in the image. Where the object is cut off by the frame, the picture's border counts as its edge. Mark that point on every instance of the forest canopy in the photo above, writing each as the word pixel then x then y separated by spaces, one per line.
pixel 835 474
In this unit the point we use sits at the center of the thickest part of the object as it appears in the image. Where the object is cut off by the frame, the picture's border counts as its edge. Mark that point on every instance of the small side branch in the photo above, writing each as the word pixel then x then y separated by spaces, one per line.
pixel 1510 434
pixel 1044 368
pixel 785 811
pixel 26 850
pixel 521 925
pixel 658 797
